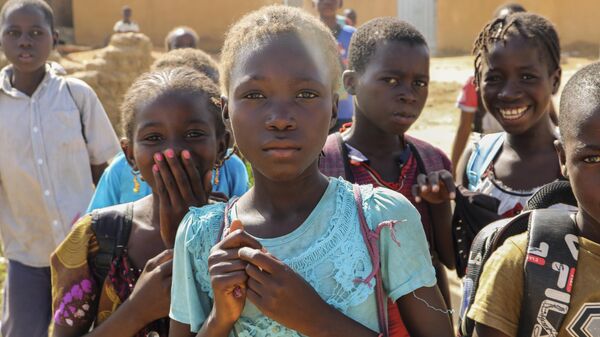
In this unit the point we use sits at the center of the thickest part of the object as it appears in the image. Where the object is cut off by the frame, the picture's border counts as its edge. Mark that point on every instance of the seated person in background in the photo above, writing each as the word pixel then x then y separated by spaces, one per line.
pixel 125 25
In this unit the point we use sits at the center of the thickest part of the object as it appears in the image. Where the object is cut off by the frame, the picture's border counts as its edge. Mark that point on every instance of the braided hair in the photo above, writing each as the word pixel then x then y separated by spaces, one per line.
pixel 527 25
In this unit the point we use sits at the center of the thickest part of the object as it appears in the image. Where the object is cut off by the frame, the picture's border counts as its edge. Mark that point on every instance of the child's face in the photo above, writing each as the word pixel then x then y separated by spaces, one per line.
pixel 392 90
pixel 183 40
pixel 516 85
pixel 327 7
pixel 27 38
pixel 580 162
pixel 182 123
pixel 281 104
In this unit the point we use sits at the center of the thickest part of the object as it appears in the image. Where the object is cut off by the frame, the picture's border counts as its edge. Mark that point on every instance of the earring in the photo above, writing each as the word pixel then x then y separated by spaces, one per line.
pixel 217 168
pixel 136 183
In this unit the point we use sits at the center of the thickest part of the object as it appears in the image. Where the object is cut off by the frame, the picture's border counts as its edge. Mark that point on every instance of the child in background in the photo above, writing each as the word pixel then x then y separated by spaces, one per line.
pixel 295 268
pixel 390 93
pixel 350 15
pixel 518 70
pixel 175 134
pixel 55 140
pixel 120 183
pixel 498 303
pixel 181 37
pixel 327 10
pixel 473 117
pixel 126 25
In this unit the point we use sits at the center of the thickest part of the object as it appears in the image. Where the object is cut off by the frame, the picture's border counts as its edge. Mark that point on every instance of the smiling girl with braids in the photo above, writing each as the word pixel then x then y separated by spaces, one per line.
pixel 517 70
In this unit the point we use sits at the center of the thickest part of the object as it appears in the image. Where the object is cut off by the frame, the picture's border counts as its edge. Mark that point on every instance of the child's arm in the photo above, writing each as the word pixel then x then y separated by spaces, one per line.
pixel 438 188
pixel 424 313
pixel 284 296
pixel 482 330
pixel 97 171
pixel 148 302
pixel 461 138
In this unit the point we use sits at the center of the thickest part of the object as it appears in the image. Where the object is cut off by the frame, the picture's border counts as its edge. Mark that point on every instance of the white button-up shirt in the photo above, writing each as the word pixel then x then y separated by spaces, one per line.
pixel 45 176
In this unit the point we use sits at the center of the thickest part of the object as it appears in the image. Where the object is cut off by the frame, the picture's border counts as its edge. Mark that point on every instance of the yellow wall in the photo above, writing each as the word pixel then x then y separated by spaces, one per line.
pixel 94 19
pixel 459 24
pixel 459 21
pixel 366 10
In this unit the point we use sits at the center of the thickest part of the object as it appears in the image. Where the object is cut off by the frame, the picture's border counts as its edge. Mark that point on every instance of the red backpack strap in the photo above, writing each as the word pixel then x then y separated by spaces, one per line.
pixel 371 239
pixel 335 163
pixel 225 221
pixel 429 157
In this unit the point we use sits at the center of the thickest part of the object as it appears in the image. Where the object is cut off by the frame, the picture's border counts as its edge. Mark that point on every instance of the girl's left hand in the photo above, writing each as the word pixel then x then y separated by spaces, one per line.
pixel 178 186
pixel 435 188
pixel 281 294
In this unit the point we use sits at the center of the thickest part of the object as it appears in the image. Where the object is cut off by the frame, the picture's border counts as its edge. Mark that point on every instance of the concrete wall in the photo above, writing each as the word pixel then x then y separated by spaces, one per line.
pixel 459 21
pixel 94 19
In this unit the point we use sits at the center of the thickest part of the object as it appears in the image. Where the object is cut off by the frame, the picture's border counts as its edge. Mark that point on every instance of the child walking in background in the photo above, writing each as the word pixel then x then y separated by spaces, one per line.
pixel 504 302
pixel 172 121
pixel 390 93
pixel 120 183
pixel 517 70
pixel 299 265
pixel 55 140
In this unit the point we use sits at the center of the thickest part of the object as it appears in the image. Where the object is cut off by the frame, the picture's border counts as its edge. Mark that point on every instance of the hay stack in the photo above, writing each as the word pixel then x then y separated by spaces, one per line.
pixel 114 68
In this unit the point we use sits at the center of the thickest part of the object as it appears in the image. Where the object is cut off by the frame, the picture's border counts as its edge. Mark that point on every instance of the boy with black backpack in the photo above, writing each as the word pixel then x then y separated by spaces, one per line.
pixel 544 282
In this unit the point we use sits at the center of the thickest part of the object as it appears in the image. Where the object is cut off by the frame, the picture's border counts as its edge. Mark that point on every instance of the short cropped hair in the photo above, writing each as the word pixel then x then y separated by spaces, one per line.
pixel 38 4
pixel 178 30
pixel 364 41
pixel 257 28
pixel 579 99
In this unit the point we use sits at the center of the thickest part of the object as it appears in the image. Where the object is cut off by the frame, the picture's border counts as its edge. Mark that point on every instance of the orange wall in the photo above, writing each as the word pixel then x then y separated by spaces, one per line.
pixel 459 24
pixel 94 19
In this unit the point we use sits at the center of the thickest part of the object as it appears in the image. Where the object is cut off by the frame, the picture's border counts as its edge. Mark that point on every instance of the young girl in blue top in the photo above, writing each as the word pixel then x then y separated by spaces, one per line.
pixel 295 268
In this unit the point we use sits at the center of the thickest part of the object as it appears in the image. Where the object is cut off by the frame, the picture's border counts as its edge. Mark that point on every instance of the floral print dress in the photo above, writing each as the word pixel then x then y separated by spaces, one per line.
pixel 77 298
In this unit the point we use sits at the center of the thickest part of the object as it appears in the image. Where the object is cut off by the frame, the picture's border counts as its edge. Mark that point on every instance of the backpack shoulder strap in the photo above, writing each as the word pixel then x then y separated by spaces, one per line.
pixel 335 163
pixel 484 244
pixel 429 158
pixel 483 153
pixel 112 227
pixel 78 100
pixel 370 239
pixel 550 267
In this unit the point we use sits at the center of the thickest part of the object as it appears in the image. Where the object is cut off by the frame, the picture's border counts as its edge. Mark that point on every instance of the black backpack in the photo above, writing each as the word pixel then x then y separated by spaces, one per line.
pixel 112 226
pixel 549 268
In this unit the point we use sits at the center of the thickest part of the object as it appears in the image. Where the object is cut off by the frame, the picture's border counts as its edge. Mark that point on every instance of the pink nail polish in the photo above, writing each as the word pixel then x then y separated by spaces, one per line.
pixel 237 292
pixel 158 156
pixel 186 154
pixel 155 168
pixel 170 153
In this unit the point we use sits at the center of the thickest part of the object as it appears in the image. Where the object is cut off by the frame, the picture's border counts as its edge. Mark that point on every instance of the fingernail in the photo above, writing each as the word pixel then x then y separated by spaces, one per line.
pixel 423 188
pixel 452 195
pixel 417 199
pixel 237 292
pixel 435 188
pixel 158 156
pixel 185 154
pixel 155 168
pixel 170 153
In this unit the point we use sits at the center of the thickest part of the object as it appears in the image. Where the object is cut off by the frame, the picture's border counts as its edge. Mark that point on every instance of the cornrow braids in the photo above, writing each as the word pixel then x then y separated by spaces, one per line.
pixel 258 28
pixel 170 82
pixel 527 25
